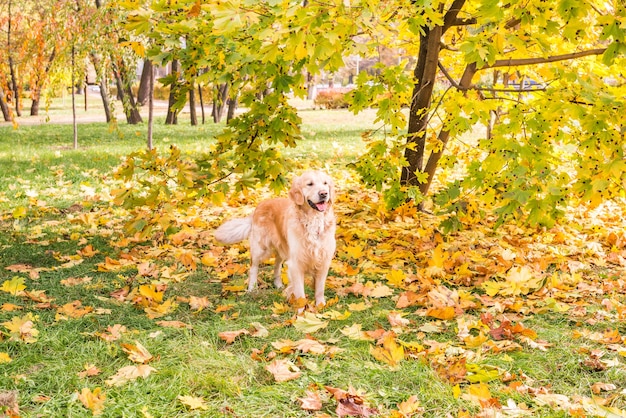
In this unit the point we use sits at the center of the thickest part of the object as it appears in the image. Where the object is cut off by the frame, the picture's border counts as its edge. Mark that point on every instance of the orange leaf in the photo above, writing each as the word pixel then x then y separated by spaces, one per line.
pixel 283 370
pixel 311 402
pixel 445 313
pixel 230 336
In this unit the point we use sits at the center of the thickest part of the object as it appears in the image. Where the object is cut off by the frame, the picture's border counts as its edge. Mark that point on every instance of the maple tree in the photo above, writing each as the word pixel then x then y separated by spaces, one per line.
pixel 545 80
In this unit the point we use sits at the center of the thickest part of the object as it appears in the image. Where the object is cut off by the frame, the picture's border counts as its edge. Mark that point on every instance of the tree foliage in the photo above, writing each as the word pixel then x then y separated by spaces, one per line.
pixel 545 80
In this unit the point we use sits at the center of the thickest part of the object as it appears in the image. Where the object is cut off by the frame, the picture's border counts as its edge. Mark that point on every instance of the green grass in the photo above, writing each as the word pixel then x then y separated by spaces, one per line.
pixel 41 171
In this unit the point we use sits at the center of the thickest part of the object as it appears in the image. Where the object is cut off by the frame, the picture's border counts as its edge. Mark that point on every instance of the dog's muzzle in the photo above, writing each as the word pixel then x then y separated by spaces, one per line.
pixel 320 206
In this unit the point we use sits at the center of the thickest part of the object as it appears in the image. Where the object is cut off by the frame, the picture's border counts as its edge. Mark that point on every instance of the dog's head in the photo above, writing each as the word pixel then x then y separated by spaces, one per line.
pixel 314 189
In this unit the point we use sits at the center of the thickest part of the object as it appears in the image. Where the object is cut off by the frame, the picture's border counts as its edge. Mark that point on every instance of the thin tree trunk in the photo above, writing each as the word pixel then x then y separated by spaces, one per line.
pixel 150 104
pixel 130 107
pixel 74 123
pixel 104 87
pixel 172 114
pixel 232 107
pixel 14 86
pixel 192 106
pixel 144 90
pixel 219 102
pixel 201 102
pixel 6 112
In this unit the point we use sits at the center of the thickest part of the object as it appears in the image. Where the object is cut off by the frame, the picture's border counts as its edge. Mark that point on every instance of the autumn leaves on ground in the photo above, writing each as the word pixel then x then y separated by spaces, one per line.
pixel 505 321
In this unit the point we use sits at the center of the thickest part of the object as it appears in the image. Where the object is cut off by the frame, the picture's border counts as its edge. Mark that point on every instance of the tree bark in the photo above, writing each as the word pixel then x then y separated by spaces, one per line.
pixel 14 87
pixel 425 73
pixel 232 107
pixel 219 102
pixel 6 112
pixel 144 89
pixel 150 105
pixel 124 90
pixel 172 114
pixel 201 103
pixel 192 105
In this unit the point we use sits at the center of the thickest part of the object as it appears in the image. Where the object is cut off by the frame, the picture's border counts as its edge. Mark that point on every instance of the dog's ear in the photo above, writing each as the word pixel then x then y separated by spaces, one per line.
pixel 331 190
pixel 295 193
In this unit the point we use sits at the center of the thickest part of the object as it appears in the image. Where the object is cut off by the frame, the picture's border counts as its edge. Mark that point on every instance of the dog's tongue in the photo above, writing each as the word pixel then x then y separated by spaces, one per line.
pixel 321 206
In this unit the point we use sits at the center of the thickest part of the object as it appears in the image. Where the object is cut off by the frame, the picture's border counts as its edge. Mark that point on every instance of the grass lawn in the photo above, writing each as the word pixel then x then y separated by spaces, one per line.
pixel 485 322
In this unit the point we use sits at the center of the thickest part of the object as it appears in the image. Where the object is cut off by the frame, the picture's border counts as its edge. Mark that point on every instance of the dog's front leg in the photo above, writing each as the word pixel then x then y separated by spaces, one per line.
pixel 320 283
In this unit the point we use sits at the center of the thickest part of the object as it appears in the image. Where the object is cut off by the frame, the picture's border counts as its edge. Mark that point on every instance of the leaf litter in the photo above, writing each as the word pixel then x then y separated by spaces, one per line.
pixel 483 283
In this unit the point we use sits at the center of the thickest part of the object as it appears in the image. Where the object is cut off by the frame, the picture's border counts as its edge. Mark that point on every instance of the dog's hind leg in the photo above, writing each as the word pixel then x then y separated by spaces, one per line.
pixel 278 267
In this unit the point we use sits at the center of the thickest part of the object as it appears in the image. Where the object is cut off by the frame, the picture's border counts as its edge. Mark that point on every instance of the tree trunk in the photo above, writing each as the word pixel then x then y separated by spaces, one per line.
pixel 444 135
pixel 219 102
pixel 144 90
pixel 425 73
pixel 172 114
pixel 232 107
pixel 192 106
pixel 14 86
pixel 104 86
pixel 6 112
pixel 34 107
pixel 128 100
pixel 201 102
pixel 74 122
pixel 150 105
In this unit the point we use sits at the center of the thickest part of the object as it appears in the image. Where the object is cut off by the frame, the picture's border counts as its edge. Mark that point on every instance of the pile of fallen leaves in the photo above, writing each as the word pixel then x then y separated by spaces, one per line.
pixel 480 285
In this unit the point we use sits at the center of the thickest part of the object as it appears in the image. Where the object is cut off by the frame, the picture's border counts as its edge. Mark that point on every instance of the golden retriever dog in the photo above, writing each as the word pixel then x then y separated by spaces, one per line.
pixel 299 230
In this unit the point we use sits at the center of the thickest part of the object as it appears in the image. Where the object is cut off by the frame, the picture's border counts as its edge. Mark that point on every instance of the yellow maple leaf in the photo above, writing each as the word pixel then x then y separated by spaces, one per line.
pixel 15 286
pixel 94 401
pixel 354 251
pixel 309 323
pixel 157 311
pixel 22 328
pixel 391 352
pixel 4 358
pixel 137 352
pixel 396 278
pixel 193 402
pixel 151 292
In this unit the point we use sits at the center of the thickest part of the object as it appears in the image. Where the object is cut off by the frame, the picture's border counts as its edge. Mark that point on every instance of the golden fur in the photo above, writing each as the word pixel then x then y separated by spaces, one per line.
pixel 299 230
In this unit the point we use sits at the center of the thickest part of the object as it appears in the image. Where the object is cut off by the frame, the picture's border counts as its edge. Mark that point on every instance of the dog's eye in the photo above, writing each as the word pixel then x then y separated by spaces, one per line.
pixel 310 183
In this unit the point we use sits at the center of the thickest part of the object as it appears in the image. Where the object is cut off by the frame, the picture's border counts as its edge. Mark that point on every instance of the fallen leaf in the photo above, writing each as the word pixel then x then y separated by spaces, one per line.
pixel 15 286
pixel 94 401
pixel 230 336
pixel 598 387
pixel 128 373
pixel 137 352
pixel 312 401
pixel 22 328
pixel 283 370
pixel 90 370
pixel 193 402
pixel 309 323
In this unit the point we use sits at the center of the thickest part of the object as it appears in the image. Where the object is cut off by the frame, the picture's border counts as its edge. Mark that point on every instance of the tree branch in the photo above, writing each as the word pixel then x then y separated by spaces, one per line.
pixel 532 61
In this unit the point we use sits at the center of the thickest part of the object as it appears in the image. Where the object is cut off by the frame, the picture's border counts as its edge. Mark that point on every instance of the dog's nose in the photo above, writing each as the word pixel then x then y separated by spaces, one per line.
pixel 323 195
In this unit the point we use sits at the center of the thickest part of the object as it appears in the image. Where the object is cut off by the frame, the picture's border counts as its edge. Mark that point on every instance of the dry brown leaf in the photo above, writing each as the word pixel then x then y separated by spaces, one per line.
pixel 283 370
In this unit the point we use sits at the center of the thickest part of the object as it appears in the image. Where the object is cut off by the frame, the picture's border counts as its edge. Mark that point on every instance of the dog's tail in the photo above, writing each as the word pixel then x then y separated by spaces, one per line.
pixel 234 231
